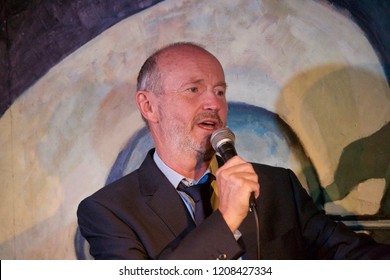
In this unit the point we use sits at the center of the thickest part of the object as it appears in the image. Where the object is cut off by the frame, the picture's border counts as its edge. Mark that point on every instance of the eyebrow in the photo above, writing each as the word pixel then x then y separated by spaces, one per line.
pixel 219 84
pixel 222 84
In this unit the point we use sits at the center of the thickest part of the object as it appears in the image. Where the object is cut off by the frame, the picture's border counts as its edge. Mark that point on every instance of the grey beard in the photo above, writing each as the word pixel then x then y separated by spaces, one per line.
pixel 205 155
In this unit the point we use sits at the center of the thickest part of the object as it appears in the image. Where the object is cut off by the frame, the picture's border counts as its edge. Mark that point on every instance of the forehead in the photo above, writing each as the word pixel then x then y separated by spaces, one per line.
pixel 188 60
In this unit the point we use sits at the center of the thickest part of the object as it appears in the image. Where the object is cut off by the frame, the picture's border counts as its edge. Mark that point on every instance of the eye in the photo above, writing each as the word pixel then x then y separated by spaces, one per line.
pixel 193 89
pixel 220 92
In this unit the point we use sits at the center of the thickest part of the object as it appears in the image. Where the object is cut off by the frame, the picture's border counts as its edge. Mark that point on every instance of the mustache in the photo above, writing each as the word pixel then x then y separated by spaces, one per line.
pixel 208 115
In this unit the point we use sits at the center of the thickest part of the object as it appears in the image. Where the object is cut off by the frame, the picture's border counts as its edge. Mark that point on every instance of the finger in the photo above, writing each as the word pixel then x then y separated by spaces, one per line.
pixel 233 161
pixel 233 173
pixel 235 167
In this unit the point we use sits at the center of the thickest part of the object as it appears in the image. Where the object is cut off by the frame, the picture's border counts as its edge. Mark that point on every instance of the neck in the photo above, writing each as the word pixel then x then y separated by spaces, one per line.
pixel 189 165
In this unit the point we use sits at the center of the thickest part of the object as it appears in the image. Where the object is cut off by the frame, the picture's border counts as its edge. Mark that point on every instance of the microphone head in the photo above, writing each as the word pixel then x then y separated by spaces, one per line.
pixel 222 136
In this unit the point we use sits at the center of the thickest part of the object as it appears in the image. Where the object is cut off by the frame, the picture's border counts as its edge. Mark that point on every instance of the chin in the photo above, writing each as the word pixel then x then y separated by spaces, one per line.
pixel 206 153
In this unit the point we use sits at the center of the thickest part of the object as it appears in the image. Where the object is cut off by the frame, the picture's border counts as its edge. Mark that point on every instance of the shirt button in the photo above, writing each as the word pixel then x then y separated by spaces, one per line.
pixel 222 257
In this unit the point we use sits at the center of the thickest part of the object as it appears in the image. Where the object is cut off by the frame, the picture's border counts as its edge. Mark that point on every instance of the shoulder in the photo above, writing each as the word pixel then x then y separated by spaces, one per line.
pixel 128 186
pixel 117 192
pixel 272 172
pixel 277 180
pixel 269 168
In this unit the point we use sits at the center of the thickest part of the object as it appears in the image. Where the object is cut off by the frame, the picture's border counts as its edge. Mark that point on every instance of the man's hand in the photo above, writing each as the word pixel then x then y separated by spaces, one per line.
pixel 236 181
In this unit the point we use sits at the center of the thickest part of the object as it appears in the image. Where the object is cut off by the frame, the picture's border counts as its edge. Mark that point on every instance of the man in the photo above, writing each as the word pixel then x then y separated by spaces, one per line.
pixel 181 94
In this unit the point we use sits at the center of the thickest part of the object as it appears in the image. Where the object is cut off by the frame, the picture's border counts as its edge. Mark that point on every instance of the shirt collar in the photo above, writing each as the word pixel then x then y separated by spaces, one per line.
pixel 174 177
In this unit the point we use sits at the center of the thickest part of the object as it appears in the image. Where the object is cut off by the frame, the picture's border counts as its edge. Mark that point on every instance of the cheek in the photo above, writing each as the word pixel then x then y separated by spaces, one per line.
pixel 175 115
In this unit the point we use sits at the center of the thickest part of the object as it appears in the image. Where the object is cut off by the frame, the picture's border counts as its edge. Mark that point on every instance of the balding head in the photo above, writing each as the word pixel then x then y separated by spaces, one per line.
pixel 150 77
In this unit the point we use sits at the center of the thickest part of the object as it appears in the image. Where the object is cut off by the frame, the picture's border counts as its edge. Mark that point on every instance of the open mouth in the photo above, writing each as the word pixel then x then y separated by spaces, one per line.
pixel 209 124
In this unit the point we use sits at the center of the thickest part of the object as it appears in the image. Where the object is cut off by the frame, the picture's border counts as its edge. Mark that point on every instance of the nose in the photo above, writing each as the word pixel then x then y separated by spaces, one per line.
pixel 213 101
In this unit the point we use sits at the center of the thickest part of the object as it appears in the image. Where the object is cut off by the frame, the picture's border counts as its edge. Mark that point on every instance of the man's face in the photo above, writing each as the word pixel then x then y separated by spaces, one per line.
pixel 193 104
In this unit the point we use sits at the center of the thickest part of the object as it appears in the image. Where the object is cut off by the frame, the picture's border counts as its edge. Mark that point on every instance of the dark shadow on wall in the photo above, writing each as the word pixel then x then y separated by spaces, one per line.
pixel 363 159
pixel 332 103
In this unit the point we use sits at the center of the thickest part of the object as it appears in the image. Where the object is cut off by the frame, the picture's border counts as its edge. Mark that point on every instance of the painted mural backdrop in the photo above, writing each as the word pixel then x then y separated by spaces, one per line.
pixel 307 91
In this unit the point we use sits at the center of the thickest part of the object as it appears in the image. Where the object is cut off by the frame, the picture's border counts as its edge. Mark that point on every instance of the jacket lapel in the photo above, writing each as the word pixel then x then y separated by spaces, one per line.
pixel 163 197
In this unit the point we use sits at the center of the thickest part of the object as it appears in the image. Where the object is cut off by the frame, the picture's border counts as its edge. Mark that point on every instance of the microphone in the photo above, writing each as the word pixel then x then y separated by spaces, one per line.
pixel 222 141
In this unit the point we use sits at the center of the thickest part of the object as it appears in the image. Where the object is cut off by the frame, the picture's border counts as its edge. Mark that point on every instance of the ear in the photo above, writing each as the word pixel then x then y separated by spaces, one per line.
pixel 146 101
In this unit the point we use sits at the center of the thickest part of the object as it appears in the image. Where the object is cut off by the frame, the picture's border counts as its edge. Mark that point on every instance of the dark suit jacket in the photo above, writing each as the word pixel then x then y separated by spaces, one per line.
pixel 141 216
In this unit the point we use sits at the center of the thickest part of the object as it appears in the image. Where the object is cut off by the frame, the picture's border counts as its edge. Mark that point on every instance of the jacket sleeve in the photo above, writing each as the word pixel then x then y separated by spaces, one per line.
pixel 111 238
pixel 212 240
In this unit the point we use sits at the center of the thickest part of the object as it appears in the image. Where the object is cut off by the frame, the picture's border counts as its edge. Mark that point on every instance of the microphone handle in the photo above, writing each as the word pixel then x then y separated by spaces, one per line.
pixel 252 202
pixel 227 151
